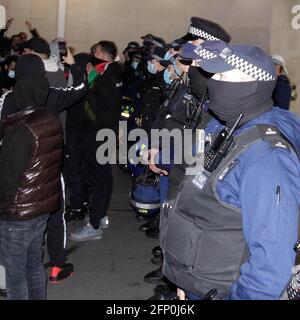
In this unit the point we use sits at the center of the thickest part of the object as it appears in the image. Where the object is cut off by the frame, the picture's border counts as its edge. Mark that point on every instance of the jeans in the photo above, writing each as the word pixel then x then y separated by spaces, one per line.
pixel 21 250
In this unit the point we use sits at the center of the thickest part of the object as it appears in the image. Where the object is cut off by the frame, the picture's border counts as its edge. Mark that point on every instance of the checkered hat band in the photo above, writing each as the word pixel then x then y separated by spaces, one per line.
pixel 202 34
pixel 158 44
pixel 204 54
pixel 248 68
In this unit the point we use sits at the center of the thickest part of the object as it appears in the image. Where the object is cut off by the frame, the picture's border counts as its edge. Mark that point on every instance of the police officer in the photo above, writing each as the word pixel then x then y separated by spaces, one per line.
pixel 154 91
pixel 194 88
pixel 189 93
pixel 184 110
pixel 231 230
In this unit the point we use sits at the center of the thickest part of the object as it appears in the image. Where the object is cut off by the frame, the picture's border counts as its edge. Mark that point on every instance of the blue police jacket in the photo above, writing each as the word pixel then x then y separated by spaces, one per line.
pixel 270 214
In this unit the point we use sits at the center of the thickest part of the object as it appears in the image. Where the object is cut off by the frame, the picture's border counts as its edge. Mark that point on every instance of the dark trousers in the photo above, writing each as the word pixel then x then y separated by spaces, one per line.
pixel 21 250
pixel 56 233
pixel 100 180
pixel 74 169
pixel 56 238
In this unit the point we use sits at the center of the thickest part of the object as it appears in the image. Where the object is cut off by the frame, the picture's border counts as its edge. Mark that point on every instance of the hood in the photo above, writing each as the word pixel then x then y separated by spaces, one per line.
pixel 287 122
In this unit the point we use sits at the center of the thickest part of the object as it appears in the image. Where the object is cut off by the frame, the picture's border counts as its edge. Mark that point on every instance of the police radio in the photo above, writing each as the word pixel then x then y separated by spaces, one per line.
pixel 220 147
pixel 173 91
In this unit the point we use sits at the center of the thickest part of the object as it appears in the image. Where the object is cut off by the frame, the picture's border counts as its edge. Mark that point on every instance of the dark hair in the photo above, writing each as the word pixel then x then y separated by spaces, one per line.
pixel 10 59
pixel 13 37
pixel 282 71
pixel 109 47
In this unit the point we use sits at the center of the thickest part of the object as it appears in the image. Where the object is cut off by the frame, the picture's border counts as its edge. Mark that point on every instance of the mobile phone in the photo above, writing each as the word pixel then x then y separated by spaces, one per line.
pixel 62 49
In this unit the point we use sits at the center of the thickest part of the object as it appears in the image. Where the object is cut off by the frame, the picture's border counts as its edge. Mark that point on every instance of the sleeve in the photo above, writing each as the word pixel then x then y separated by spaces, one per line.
pixel 78 75
pixel 269 197
pixel 35 33
pixel 62 98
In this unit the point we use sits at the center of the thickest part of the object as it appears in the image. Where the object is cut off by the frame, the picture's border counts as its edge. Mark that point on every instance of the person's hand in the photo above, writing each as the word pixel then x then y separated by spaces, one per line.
pixel 149 158
pixel 29 25
pixel 73 51
pixel 181 294
pixel 138 122
pixel 69 59
pixel 9 23
pixel 89 68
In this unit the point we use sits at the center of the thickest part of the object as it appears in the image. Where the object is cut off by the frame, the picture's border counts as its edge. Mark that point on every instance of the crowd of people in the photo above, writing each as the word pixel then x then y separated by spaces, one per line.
pixel 227 232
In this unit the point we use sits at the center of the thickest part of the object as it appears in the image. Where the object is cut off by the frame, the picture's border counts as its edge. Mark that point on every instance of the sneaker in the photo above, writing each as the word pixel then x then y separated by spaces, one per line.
pixel 59 273
pixel 87 232
pixel 75 214
pixel 104 222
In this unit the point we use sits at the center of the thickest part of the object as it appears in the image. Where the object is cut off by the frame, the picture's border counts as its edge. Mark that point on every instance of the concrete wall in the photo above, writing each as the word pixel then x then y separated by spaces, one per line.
pixel 286 42
pixel 263 22
pixel 42 13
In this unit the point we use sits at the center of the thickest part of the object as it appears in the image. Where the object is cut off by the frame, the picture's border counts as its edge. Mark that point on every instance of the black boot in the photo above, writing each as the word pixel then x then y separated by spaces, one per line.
pixel 155 276
pixel 166 296
pixel 158 261
pixel 156 251
pixel 165 288
pixel 148 225
pixel 153 233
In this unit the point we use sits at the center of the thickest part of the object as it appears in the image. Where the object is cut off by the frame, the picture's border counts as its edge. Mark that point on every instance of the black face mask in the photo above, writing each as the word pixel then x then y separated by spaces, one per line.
pixel 96 61
pixel 198 82
pixel 227 100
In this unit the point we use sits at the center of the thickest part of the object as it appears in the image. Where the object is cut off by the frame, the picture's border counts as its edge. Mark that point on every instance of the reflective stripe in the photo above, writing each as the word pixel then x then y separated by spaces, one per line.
pixel 144 205
pixel 81 86
pixel 64 209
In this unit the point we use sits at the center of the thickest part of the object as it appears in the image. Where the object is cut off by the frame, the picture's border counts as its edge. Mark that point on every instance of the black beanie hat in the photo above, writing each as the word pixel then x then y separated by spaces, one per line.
pixel 29 64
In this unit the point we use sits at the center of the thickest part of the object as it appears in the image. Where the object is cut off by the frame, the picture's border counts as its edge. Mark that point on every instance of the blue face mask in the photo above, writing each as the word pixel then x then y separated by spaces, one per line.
pixel 167 77
pixel 12 74
pixel 177 71
pixel 134 64
pixel 151 68
pixel 168 56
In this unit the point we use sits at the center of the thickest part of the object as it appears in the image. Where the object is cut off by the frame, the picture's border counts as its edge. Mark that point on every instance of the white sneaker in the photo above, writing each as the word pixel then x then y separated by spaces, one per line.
pixel 85 233
pixel 104 222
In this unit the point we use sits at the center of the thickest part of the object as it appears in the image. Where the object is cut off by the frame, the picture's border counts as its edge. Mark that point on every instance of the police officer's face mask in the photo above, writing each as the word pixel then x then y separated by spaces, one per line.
pixel 227 100
pixel 152 67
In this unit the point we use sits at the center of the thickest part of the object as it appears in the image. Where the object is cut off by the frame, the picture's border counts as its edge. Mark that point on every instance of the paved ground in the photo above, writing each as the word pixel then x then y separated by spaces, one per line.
pixel 113 267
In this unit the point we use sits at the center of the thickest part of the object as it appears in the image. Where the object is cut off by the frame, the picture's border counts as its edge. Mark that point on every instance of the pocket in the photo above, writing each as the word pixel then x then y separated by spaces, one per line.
pixel 181 241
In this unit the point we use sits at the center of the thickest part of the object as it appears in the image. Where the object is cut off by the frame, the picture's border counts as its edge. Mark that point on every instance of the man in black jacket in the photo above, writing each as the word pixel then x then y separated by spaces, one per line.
pixel 29 180
pixel 153 94
pixel 58 99
pixel 102 107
